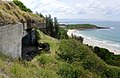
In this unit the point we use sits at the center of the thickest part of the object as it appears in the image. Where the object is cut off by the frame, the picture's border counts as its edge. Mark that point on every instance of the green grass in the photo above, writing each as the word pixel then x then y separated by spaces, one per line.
pixel 45 38
pixel 52 66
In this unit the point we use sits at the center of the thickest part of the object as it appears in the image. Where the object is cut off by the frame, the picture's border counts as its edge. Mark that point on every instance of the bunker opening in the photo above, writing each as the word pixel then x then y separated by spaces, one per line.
pixel 30 46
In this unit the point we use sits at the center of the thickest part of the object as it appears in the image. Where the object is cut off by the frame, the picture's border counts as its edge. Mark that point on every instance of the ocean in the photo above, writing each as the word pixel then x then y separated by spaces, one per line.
pixel 108 37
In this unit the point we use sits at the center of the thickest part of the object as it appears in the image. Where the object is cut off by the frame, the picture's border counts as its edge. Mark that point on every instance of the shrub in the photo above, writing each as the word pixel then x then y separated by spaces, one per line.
pixel 112 72
pixel 66 70
pixel 72 50
pixel 45 59
pixel 69 50
pixel 62 34
pixel 107 56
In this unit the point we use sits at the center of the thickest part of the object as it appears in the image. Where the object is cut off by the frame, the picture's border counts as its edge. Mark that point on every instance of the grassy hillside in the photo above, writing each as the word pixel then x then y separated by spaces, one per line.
pixel 84 64
pixel 11 14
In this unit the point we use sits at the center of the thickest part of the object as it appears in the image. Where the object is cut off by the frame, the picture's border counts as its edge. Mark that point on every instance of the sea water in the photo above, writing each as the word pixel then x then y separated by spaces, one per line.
pixel 109 37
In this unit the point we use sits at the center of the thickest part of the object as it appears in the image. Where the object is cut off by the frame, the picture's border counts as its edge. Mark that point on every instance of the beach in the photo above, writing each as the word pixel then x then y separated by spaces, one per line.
pixel 103 44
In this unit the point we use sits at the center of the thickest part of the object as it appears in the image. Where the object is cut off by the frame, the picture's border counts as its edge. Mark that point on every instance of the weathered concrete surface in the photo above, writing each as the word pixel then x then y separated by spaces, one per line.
pixel 10 40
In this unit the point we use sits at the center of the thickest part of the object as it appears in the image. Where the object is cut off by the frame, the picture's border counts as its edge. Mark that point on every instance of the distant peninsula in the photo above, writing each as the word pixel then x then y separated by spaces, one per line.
pixel 82 26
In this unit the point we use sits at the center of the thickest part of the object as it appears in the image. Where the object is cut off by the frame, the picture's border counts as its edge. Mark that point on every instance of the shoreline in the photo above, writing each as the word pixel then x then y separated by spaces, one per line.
pixel 82 26
pixel 93 42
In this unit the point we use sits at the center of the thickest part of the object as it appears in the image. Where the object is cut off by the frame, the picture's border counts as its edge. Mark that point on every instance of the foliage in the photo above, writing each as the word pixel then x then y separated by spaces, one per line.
pixel 78 38
pixel 11 14
pixel 53 29
pixel 62 34
pixel 85 63
pixel 49 26
pixel 107 56
pixel 42 38
pixel 66 70
pixel 39 14
pixel 37 35
pixel 56 27
pixel 76 26
pixel 72 50
pixel 69 50
pixel 44 59
pixel 112 72
pixel 22 6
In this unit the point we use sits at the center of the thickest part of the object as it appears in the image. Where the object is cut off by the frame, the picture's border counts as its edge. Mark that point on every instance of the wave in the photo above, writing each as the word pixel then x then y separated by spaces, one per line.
pixel 112 28
pixel 98 41
pixel 107 43
pixel 95 41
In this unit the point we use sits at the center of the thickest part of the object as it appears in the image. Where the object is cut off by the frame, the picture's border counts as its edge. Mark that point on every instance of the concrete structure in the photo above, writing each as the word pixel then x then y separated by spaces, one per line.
pixel 10 40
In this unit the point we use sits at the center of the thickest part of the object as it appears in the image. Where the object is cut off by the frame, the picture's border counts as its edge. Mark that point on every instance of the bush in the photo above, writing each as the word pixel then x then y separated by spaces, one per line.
pixel 72 50
pixel 45 59
pixel 68 71
pixel 62 34
pixel 112 72
pixel 69 50
pixel 107 56
pixel 103 53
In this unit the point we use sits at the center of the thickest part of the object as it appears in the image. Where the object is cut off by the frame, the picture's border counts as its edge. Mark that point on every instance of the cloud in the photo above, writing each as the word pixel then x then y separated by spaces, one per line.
pixel 75 8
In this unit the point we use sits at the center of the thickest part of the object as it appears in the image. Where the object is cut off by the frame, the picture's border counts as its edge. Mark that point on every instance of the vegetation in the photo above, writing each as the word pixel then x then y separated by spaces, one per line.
pixel 78 38
pixel 39 14
pixel 68 59
pixel 22 6
pixel 81 26
pixel 62 34
pixel 107 56
pixel 73 51
pixel 49 26
pixel 11 14
pixel 52 28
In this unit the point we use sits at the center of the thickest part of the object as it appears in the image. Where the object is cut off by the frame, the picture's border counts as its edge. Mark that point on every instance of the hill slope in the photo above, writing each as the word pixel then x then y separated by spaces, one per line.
pixel 11 14
pixel 53 66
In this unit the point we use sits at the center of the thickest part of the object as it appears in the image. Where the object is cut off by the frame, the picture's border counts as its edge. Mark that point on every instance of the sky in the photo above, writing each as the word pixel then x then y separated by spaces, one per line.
pixel 108 10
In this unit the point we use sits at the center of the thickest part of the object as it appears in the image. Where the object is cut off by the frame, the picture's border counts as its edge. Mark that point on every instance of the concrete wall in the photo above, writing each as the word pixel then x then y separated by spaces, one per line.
pixel 10 40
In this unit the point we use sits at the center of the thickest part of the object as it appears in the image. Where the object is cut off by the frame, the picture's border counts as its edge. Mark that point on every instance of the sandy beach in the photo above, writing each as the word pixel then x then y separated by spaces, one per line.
pixel 93 42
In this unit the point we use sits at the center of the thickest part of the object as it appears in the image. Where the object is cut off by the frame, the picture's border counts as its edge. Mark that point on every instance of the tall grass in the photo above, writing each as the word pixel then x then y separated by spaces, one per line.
pixel 11 14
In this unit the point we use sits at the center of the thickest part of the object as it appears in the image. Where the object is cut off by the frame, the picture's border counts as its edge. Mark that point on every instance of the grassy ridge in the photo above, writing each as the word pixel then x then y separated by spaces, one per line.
pixel 11 14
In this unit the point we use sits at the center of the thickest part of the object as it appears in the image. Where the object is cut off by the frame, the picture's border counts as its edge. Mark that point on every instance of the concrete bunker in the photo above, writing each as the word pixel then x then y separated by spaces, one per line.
pixel 18 41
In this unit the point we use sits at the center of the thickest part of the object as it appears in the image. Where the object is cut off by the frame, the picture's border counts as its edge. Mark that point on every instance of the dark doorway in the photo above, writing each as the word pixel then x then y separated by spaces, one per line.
pixel 29 45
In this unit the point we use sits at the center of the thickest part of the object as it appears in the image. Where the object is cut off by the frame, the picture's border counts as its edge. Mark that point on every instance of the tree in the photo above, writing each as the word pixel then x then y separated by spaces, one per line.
pixel 53 29
pixel 56 25
pixel 39 14
pixel 49 26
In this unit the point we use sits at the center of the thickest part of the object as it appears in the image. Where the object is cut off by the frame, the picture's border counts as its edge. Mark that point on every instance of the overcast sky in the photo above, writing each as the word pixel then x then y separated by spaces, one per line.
pixel 77 9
